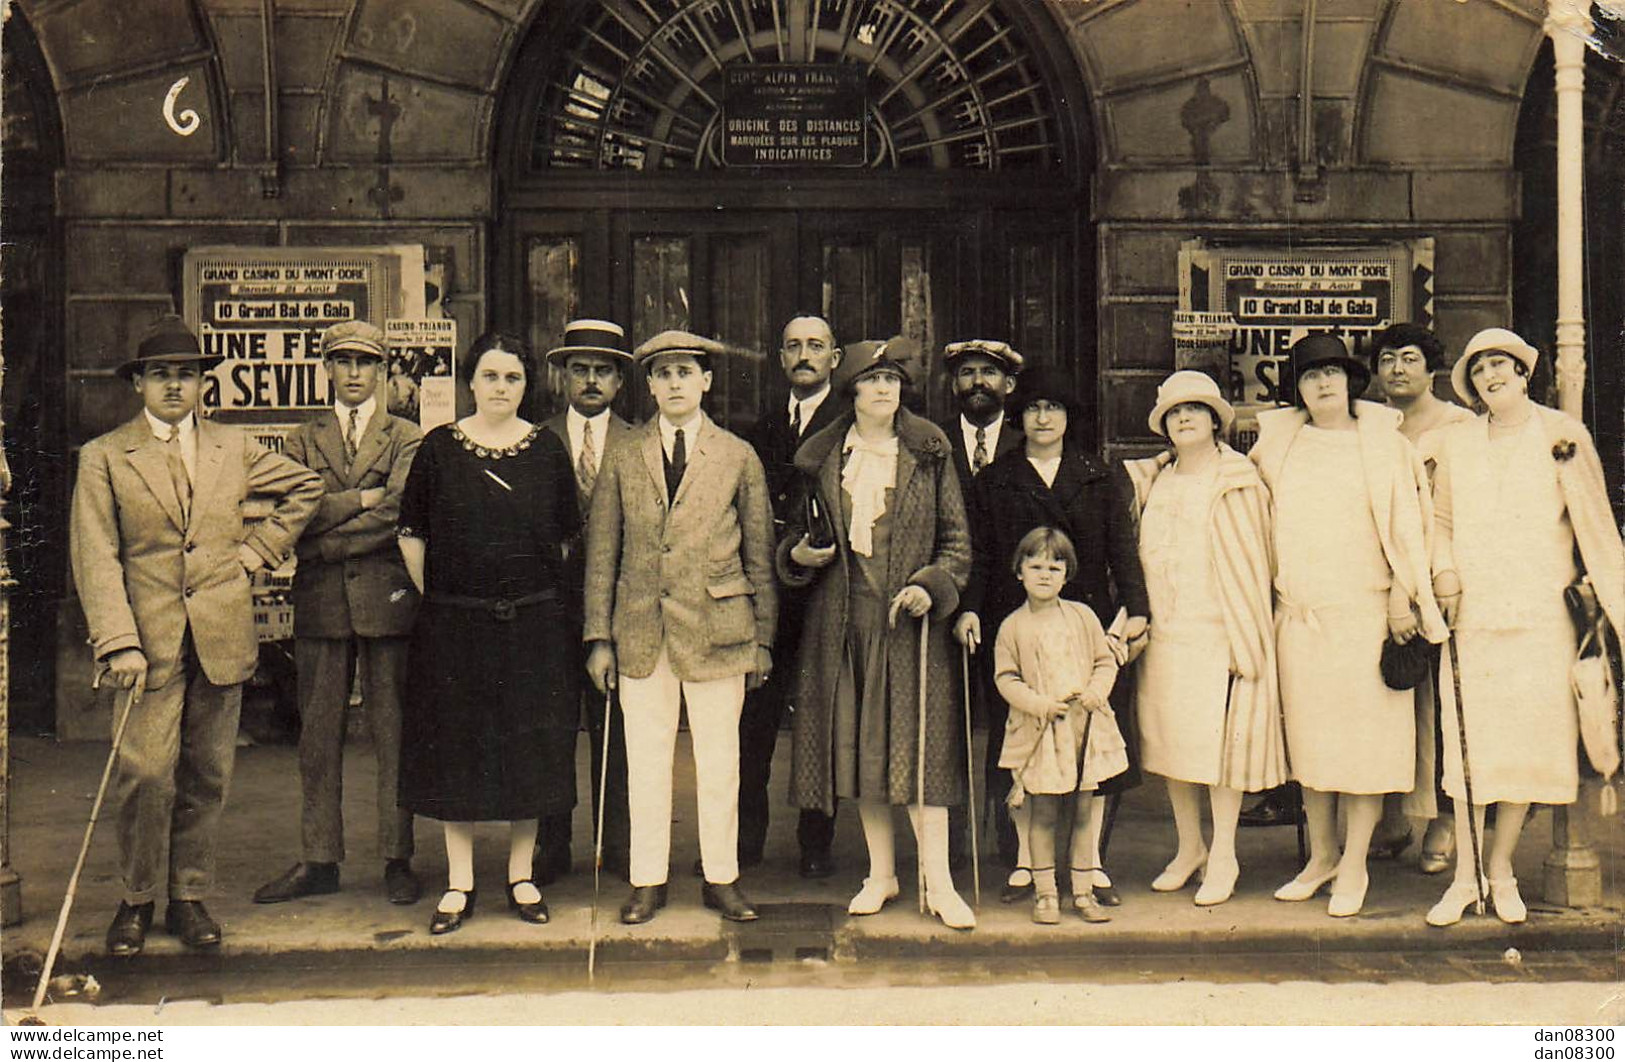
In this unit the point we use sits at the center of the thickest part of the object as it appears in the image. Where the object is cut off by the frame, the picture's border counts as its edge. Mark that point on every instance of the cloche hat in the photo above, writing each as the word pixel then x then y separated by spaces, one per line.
pixel 1323 348
pixel 1502 339
pixel 1190 385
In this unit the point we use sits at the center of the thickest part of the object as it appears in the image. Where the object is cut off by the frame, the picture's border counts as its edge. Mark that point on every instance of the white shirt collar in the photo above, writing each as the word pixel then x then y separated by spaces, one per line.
pixel 160 429
pixel 574 423
pixel 809 406
pixel 668 433
pixel 367 409
pixel 990 435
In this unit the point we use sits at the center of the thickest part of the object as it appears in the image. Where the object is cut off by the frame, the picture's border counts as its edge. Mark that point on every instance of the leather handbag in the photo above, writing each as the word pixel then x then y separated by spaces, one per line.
pixel 820 531
pixel 1404 666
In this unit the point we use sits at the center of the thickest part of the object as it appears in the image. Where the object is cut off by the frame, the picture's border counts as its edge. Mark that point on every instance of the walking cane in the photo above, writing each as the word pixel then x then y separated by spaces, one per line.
pixel 598 835
pixel 970 783
pixel 1466 774
pixel 919 766
pixel 84 850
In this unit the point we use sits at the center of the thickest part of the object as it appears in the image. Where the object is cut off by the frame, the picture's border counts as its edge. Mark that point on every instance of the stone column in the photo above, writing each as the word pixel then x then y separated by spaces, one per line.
pixel 1573 876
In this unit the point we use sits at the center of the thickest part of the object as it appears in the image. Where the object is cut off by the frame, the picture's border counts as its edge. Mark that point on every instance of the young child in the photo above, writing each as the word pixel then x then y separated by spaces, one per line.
pixel 1054 666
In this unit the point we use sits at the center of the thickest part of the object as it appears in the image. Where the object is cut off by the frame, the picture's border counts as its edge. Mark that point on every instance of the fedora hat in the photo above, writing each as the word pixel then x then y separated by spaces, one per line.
pixel 1323 348
pixel 871 356
pixel 1190 385
pixel 1007 356
pixel 1502 339
pixel 167 340
pixel 589 336
pixel 676 341
pixel 355 337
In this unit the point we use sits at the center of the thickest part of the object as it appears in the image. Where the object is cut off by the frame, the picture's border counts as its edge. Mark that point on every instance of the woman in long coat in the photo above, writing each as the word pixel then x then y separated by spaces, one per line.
pixel 1054 481
pixel 1209 701
pixel 892 513
pixel 1352 519
pixel 1516 490
pixel 488 730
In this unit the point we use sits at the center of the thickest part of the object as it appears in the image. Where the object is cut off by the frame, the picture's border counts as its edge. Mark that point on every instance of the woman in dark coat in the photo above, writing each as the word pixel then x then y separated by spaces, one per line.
pixel 1054 481
pixel 892 513
pixel 489 722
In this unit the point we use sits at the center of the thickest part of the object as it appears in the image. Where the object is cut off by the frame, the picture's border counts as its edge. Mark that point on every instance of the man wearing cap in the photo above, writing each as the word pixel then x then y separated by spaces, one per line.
pixel 680 608
pixel 594 359
pixel 162 562
pixel 808 355
pixel 353 607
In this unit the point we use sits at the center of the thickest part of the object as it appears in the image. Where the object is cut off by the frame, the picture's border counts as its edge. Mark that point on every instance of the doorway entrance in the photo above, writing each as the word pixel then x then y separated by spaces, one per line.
pixel 966 218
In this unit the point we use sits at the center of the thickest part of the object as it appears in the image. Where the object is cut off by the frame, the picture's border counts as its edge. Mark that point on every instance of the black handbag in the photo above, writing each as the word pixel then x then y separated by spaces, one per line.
pixel 820 531
pixel 1404 666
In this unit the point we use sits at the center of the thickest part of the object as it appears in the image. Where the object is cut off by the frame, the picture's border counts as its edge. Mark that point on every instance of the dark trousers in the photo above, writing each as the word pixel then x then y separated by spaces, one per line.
pixel 553 834
pixel 759 727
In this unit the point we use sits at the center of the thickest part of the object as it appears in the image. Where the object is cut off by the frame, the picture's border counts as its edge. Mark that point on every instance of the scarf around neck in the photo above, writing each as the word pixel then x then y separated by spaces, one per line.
pixel 871 468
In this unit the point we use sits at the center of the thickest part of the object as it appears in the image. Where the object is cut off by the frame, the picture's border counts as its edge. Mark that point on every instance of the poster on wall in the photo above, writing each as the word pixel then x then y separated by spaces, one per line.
pixel 1242 308
pixel 422 383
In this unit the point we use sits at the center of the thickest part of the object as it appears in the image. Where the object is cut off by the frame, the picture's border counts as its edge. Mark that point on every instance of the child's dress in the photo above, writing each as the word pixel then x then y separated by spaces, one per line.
pixel 1047 656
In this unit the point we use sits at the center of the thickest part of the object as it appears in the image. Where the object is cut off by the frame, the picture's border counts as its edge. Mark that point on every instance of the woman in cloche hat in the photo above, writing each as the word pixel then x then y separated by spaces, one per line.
pixel 1516 490
pixel 1209 701
pixel 1352 519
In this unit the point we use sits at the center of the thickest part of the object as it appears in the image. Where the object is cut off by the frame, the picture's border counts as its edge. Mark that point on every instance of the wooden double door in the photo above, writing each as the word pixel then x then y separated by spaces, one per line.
pixel 739 275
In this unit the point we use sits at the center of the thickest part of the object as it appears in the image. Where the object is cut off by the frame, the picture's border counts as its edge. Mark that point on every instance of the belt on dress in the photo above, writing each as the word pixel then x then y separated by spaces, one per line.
pixel 501 608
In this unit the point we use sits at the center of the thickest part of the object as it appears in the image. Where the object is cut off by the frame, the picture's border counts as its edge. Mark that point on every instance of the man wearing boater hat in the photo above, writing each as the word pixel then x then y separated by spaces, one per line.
pixel 353 607
pixel 163 563
pixel 594 357
pixel 680 608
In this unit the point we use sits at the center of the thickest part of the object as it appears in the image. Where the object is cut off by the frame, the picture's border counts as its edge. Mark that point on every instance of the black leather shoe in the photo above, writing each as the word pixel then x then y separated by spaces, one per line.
pixel 188 920
pixel 1274 809
pixel 401 884
pixel 546 869
pixel 451 921
pixel 817 864
pixel 643 903
pixel 1108 896
pixel 301 879
pixel 534 913
pixel 128 933
pixel 729 902
pixel 1016 893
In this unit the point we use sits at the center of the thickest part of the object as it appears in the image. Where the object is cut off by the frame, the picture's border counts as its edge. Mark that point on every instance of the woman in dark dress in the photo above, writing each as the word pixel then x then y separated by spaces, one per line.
pixel 486 528
pixel 1054 481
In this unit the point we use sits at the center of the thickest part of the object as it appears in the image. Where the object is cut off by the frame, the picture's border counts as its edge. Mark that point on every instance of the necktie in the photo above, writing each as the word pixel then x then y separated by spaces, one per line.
pixel 978 460
pixel 177 470
pixel 679 461
pixel 795 421
pixel 586 462
pixel 351 436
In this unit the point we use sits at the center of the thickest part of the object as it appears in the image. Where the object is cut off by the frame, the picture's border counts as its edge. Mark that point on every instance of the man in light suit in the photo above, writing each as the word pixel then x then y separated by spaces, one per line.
pixel 163 565
pixel 808 355
pixel 680 607
pixel 353 606
pixel 594 357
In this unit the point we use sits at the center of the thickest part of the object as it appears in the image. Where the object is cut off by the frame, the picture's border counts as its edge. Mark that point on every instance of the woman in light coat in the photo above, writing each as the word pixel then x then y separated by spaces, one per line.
pixel 1517 489
pixel 1209 702
pixel 1352 518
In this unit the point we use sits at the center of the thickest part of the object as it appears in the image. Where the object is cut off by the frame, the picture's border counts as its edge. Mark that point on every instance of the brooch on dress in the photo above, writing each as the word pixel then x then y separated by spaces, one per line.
pixel 1563 449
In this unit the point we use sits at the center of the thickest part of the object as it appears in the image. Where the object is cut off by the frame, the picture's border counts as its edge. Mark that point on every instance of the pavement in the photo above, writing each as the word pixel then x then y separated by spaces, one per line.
pixel 53 785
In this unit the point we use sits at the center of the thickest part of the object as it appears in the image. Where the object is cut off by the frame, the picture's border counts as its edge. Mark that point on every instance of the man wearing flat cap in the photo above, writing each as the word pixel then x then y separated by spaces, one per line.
pixel 680 608
pixel 163 564
pixel 594 357
pixel 353 607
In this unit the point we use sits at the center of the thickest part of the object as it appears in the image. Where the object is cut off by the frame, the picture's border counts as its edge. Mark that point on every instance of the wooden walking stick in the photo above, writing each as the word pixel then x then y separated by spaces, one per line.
pixel 919 766
pixel 598 835
pixel 1466 774
pixel 128 699
pixel 970 783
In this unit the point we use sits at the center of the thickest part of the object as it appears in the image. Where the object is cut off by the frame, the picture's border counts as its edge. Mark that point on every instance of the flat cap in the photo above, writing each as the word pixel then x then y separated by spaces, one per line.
pixel 359 337
pixel 676 341
pixel 996 349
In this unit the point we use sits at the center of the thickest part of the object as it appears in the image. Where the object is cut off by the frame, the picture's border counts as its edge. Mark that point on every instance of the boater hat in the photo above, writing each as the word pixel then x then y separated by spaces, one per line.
pixel 354 337
pixel 591 337
pixel 1189 385
pixel 1007 356
pixel 1323 348
pixel 675 341
pixel 1501 339
pixel 167 340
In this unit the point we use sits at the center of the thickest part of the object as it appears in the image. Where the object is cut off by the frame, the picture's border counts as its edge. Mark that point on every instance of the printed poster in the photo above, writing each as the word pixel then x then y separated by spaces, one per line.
pixel 422 383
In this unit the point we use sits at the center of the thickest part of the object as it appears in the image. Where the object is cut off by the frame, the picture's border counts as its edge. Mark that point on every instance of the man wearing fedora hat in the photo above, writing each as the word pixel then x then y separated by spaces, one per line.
pixel 163 565
pixel 680 608
pixel 353 607
pixel 594 358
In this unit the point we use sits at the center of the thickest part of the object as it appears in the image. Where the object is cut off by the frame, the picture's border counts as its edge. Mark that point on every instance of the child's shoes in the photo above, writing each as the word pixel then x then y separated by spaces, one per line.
pixel 1047 910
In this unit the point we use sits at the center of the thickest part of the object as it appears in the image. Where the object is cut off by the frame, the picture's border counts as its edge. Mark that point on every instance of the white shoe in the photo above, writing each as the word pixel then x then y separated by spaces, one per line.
pixel 1303 888
pixel 873 896
pixel 1452 905
pixel 1218 884
pixel 947 905
pixel 1176 875
pixel 1509 906
pixel 1346 903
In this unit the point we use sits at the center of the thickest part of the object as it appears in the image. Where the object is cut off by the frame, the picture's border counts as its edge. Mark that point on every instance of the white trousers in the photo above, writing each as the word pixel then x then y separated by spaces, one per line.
pixel 650 707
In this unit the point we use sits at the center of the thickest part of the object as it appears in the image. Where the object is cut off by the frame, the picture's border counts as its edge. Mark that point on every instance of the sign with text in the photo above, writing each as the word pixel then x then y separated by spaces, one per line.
pixel 264 309
pixel 788 114
pixel 422 385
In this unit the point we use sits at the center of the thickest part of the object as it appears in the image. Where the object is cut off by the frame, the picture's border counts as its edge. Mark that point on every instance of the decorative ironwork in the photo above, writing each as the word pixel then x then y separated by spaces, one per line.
pixel 953 84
